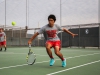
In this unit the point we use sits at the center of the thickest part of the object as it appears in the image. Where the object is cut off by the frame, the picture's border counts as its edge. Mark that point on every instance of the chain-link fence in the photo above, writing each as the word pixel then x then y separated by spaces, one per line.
pixel 88 36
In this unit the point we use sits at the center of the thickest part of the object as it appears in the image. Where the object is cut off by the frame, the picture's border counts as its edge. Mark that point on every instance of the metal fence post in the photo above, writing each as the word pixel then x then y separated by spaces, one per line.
pixel 79 36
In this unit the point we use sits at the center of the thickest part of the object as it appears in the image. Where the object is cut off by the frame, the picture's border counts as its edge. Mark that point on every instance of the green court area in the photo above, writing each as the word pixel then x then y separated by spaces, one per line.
pixel 79 62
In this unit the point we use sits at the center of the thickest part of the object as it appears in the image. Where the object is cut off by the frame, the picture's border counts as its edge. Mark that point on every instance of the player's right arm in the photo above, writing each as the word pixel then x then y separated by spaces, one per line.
pixel 33 37
pixel 36 34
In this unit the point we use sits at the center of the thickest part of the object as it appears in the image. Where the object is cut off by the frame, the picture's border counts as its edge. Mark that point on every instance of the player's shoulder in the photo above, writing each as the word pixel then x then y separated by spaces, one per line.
pixel 56 25
pixel 45 26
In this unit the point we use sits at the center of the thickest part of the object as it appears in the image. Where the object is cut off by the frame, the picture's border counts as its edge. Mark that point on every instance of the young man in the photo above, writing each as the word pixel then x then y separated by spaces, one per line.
pixel 52 40
pixel 2 39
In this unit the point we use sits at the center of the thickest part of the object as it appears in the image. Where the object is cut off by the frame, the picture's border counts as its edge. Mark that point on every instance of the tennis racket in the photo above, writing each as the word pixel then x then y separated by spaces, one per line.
pixel 31 57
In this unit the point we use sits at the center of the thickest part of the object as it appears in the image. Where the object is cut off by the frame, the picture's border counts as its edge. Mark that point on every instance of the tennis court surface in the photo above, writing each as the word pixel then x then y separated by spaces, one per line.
pixel 79 62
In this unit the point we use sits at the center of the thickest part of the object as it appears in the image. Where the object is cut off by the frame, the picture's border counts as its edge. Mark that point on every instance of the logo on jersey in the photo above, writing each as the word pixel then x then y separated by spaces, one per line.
pixel 51 33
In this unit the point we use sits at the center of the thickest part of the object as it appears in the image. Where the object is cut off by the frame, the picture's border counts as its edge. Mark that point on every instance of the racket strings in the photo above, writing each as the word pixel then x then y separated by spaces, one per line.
pixel 31 57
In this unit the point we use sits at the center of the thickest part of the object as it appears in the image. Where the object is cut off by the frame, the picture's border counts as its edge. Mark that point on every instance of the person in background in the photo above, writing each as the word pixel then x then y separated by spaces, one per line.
pixel 2 39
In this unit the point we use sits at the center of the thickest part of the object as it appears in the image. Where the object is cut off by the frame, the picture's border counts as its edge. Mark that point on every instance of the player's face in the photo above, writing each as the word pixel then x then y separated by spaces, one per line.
pixel 51 22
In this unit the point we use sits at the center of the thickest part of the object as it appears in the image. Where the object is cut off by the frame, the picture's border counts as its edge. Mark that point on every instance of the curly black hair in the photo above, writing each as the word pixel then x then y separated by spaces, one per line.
pixel 52 16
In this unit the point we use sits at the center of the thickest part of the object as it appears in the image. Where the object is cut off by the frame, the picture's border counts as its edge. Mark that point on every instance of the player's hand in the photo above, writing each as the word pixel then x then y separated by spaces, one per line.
pixel 74 35
pixel 29 42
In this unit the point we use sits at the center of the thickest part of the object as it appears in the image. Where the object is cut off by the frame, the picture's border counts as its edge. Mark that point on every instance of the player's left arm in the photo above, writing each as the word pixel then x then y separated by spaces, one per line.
pixel 67 31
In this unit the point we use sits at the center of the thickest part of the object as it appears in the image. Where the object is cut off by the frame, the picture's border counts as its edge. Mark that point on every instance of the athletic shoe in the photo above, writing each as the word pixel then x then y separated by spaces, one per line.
pixel 64 63
pixel 52 62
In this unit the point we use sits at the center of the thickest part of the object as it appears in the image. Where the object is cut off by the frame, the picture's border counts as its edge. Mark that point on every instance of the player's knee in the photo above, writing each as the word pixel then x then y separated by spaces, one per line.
pixel 57 52
pixel 47 48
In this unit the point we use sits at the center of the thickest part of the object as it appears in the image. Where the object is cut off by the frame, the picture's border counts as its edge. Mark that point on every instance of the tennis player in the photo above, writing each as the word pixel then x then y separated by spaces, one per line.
pixel 2 39
pixel 52 40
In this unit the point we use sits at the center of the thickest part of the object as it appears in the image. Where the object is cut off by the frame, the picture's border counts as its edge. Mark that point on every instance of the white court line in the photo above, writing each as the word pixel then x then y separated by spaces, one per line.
pixel 75 56
pixel 73 67
pixel 82 55
pixel 21 53
pixel 81 50
pixel 54 56
pixel 21 65
pixel 13 66
pixel 13 53
pixel 6 52
pixel 47 61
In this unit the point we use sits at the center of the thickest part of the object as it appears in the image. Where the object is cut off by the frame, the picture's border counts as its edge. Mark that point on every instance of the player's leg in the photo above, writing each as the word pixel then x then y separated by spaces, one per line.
pixel 5 47
pixel 4 44
pixel 59 54
pixel 48 49
pixel 0 46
